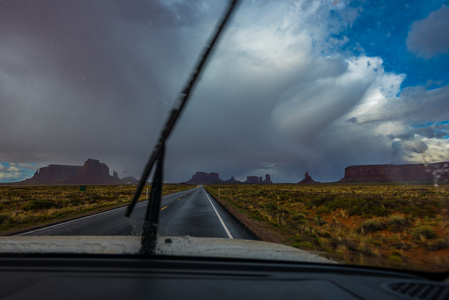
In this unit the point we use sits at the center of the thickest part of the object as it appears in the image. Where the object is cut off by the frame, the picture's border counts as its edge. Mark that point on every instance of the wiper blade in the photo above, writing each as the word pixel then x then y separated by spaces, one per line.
pixel 150 225
pixel 151 218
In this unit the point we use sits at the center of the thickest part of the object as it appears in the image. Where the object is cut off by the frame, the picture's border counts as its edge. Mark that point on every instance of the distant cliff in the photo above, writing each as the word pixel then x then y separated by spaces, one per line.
pixel 204 178
pixel 214 178
pixel 91 173
pixel 436 172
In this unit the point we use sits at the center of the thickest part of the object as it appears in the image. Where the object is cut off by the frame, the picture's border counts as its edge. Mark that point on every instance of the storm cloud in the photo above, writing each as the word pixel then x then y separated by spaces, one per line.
pixel 96 80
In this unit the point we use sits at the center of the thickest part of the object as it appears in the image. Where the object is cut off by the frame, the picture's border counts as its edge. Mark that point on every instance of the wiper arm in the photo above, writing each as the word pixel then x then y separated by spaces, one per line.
pixel 151 222
pixel 151 219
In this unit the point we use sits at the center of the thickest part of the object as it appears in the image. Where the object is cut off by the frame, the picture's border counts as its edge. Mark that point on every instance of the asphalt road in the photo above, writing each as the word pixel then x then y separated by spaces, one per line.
pixel 192 212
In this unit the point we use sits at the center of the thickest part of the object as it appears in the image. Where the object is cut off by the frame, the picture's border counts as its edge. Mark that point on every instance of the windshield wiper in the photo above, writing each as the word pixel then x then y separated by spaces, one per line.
pixel 151 221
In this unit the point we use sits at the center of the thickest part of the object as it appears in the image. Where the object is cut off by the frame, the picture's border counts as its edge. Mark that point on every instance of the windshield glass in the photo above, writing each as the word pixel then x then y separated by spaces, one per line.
pixel 318 131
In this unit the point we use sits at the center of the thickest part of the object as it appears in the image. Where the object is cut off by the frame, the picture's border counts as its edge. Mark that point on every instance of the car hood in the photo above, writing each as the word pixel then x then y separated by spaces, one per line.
pixel 166 245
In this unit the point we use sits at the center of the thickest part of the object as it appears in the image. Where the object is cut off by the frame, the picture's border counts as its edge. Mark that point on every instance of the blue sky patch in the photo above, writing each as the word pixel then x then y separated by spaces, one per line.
pixel 13 172
pixel 382 28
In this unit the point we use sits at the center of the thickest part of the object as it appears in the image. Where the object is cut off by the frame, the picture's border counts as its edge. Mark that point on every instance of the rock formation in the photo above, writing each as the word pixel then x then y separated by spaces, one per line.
pixel 307 179
pixel 213 178
pixel 204 178
pixel 255 179
pixel 130 180
pixel 232 180
pixel 267 179
pixel 92 172
pixel 436 172
pixel 53 174
pixel 252 179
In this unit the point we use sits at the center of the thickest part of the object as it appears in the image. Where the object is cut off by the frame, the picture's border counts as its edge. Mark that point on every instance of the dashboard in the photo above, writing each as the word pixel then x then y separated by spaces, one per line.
pixel 168 277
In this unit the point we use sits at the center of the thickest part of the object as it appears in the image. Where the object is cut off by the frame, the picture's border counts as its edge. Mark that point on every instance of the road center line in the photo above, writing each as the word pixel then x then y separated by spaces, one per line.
pixel 164 207
pixel 218 215
pixel 63 223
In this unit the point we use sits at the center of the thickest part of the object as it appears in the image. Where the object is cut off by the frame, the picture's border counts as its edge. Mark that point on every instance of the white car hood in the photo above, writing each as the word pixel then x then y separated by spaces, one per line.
pixel 166 245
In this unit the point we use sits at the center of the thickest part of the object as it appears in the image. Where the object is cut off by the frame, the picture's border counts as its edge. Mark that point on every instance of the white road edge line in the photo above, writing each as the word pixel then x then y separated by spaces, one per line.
pixel 218 215
pixel 79 219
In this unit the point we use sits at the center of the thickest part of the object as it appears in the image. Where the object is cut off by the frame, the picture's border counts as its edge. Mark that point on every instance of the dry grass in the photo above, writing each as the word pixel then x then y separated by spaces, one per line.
pixel 403 226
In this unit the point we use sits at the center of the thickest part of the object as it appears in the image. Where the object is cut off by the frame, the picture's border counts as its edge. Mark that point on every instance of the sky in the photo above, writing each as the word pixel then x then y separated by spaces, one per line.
pixel 293 87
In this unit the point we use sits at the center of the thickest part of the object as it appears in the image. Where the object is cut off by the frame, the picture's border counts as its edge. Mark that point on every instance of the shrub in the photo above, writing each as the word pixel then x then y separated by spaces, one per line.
pixel 299 218
pixel 373 225
pixel 397 223
pixel 283 211
pixel 395 203
pixel 367 251
pixel 401 246
pixel 419 212
pixel 438 244
pixel 4 218
pixel 303 244
pixel 322 210
pixel 345 243
pixel 316 201
pixel 376 210
pixel 319 221
pixel 377 243
pixel 75 201
pixel 325 234
pixel 358 206
pixel 40 204
pixel 426 232
pixel 271 206
pixel 345 203
pixel 395 259
pixel 398 220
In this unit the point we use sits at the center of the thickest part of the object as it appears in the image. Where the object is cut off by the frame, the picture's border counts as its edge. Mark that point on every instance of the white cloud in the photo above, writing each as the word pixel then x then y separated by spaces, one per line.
pixel 413 123
pixel 10 176
pixel 314 105
pixel 9 172
pixel 426 150
pixel 414 105
pixel 14 169
pixel 10 168
pixel 26 165
pixel 430 36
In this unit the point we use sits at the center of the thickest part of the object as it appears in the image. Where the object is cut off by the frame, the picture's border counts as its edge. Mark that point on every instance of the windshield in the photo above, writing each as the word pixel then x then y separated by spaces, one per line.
pixel 317 130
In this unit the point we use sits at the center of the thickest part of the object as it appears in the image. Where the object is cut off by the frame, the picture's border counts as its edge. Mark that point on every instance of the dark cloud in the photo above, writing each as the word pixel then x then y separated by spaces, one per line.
pixel 86 78
pixel 430 36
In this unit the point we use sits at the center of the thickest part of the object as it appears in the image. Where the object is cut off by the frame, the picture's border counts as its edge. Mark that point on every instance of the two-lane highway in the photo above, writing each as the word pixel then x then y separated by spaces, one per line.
pixel 188 213
pixel 200 215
